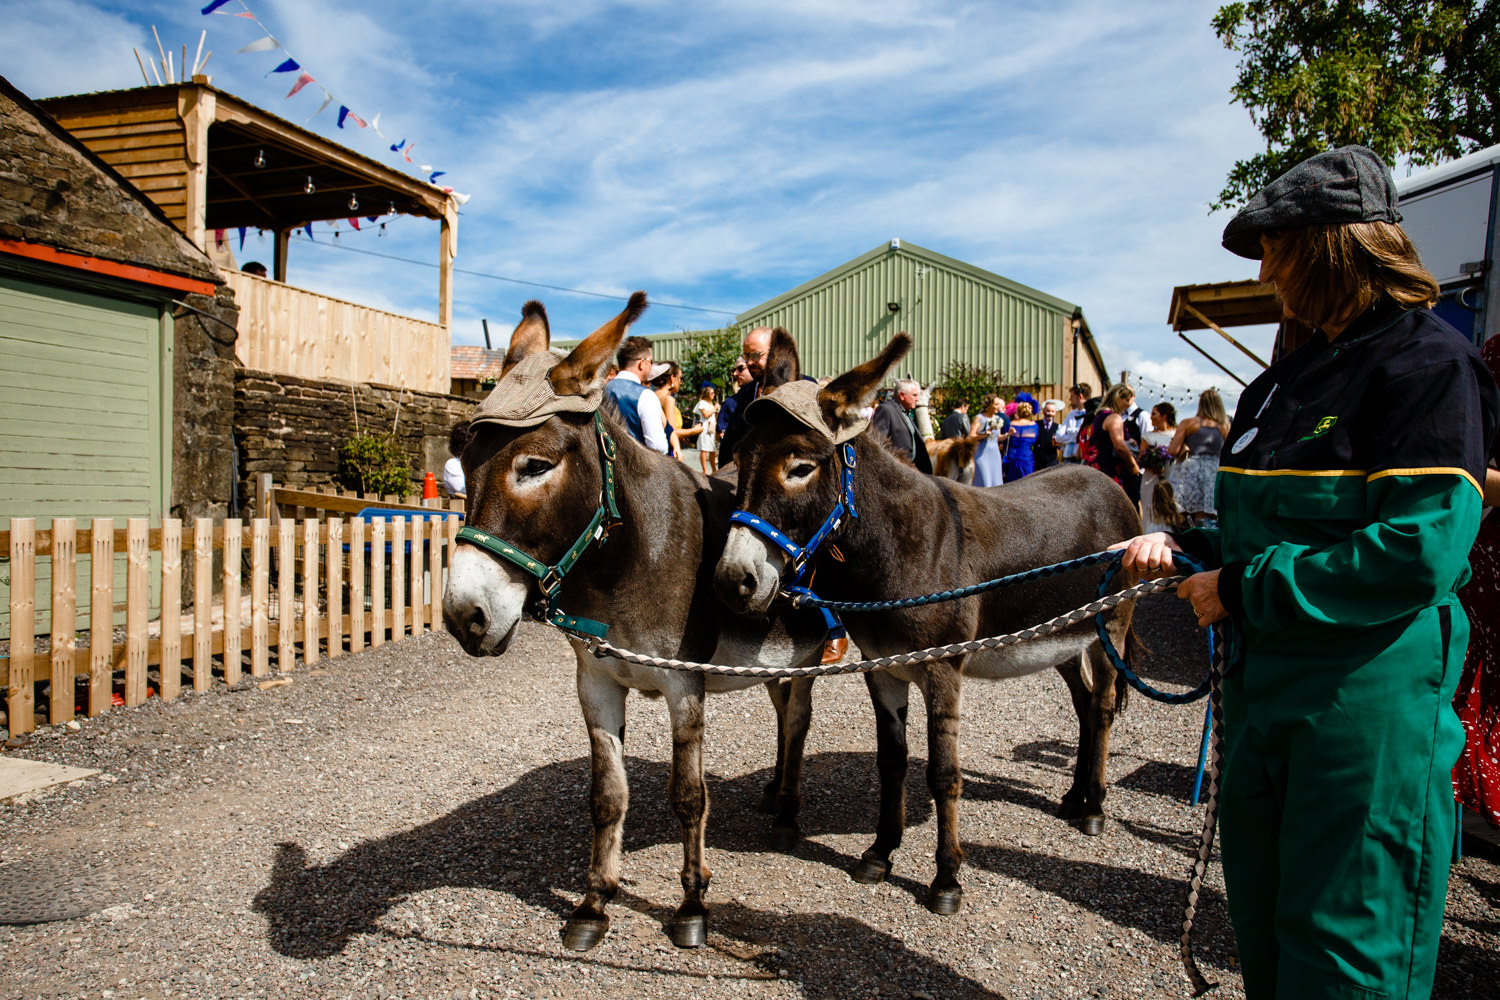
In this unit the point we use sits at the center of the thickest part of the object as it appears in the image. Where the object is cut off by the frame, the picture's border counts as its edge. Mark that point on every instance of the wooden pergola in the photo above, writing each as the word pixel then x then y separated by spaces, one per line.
pixel 211 161
pixel 1232 303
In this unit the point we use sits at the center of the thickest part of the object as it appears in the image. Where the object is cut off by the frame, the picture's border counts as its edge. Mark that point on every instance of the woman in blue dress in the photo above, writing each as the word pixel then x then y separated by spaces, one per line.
pixel 1019 460
pixel 992 430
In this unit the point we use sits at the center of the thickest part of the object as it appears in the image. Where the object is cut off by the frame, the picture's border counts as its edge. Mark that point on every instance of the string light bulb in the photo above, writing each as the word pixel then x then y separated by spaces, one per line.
pixel 353 202
pixel 260 157
pixel 309 189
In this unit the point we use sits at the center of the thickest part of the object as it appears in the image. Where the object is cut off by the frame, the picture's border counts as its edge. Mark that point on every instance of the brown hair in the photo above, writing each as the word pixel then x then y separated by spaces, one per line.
pixel 1164 507
pixel 1023 412
pixel 632 349
pixel 1115 395
pixel 1211 407
pixel 1331 274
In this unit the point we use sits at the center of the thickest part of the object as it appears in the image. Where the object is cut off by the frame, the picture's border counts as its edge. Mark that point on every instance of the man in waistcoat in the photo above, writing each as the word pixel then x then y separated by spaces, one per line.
pixel 637 406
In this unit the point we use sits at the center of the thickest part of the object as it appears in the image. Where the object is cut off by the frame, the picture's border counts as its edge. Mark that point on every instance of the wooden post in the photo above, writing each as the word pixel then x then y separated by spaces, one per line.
pixel 356 585
pixel 203 603
pixel 263 505
pixel 286 596
pixel 398 578
pixel 21 694
pixel 278 264
pixel 171 608
pixel 447 251
pixel 418 527
pixel 137 601
pixel 260 596
pixel 435 571
pixel 196 107
pixel 233 532
pixel 310 576
pixel 64 615
pixel 1220 331
pixel 101 615
pixel 377 582
pixel 335 556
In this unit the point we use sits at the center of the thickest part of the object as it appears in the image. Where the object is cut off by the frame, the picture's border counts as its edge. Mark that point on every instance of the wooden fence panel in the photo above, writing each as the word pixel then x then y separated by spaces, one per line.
pixel 233 532
pixel 101 615
pixel 418 530
pixel 377 582
pixel 64 617
pixel 171 608
pixel 203 604
pixel 435 572
pixel 398 579
pixel 310 577
pixel 356 586
pixel 335 586
pixel 286 608
pixel 137 605
pixel 260 586
pixel 20 695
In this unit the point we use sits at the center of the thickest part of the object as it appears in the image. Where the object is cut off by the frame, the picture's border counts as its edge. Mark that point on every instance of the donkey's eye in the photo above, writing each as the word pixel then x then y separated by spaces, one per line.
pixel 532 468
pixel 801 470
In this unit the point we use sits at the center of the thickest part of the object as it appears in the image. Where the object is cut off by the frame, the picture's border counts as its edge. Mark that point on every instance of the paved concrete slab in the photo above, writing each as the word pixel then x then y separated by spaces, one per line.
pixel 19 776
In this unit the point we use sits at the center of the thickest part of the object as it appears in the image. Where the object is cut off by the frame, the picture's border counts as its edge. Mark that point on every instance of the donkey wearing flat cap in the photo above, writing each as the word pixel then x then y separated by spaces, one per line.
pixel 914 534
pixel 533 484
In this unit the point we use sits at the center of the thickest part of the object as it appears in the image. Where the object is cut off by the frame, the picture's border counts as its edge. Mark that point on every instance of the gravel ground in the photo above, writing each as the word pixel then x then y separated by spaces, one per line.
pixel 410 822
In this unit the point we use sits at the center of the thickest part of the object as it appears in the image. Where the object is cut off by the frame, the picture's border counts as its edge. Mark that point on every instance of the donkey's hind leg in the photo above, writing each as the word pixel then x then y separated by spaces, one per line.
pixel 942 688
pixel 1091 682
pixel 689 796
pixel 603 702
pixel 889 696
pixel 796 719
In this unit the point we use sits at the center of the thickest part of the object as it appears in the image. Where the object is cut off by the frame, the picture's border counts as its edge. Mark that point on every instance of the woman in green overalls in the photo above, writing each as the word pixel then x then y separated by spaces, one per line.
pixel 1348 495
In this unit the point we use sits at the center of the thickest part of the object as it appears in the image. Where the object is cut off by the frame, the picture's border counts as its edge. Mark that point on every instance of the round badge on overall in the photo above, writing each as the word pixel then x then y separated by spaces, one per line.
pixel 1244 441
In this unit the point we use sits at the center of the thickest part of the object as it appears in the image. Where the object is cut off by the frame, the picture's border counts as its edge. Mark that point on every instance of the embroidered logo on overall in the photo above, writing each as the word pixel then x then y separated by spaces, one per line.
pixel 1324 426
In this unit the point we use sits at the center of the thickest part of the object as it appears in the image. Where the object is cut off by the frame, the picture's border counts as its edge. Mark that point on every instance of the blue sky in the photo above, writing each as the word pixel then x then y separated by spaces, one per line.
pixel 718 154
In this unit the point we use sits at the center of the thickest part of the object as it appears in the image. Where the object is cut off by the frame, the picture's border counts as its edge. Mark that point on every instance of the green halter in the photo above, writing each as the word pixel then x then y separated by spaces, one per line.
pixel 606 518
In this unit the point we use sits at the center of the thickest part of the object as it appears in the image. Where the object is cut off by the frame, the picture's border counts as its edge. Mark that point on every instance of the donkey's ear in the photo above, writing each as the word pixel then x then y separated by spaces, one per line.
pixel 845 396
pixel 782 363
pixel 583 370
pixel 531 336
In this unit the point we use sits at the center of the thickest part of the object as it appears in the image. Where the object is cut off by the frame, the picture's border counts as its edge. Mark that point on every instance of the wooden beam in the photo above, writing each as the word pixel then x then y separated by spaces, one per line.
pixel 129 272
pixel 1211 358
pixel 227 179
pixel 283 243
pixel 447 251
pixel 1220 331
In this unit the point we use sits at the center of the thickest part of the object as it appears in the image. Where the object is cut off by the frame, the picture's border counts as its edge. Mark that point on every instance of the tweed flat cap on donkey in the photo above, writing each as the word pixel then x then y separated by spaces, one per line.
pixel 1348 184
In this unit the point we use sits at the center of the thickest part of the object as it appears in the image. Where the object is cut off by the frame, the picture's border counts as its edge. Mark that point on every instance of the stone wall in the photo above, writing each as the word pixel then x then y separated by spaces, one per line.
pixel 293 427
pixel 203 369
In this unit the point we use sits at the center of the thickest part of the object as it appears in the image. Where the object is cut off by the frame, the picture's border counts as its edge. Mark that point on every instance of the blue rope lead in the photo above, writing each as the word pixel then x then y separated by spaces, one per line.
pixel 1131 676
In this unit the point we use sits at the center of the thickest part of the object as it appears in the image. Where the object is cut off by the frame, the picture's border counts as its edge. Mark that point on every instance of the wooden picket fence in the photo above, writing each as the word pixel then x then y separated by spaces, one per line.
pixel 307 588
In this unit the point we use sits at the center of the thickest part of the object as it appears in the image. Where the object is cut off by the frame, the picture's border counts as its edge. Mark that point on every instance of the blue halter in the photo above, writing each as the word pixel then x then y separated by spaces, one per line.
pixel 800 557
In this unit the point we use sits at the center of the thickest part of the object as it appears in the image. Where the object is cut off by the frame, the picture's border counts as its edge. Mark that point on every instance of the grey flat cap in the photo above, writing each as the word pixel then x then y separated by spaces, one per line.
pixel 1348 184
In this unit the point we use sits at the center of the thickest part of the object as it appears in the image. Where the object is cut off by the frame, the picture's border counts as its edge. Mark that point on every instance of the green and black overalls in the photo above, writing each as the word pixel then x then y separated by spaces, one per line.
pixel 1349 494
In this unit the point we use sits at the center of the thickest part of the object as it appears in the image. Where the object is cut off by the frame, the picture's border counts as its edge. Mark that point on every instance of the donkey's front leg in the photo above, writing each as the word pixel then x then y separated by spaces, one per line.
pixel 689 798
pixel 888 695
pixel 796 719
pixel 603 702
pixel 942 688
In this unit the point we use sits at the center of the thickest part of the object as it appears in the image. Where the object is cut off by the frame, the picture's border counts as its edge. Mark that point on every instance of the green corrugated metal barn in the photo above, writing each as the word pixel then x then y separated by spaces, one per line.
pixel 953 310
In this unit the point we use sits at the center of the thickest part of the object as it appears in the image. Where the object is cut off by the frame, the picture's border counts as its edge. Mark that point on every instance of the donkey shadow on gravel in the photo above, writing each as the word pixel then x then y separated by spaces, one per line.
pixel 531 840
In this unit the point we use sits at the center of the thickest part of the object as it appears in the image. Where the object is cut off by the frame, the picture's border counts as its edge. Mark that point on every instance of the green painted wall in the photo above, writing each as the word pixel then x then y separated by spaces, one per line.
pixel 85 410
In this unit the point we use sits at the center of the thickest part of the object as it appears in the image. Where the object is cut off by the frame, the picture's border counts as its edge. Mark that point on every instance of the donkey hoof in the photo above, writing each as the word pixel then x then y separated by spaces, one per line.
pixel 1070 810
pixel 945 902
pixel 1091 826
pixel 769 802
pixel 785 838
pixel 871 870
pixel 582 933
pixel 690 931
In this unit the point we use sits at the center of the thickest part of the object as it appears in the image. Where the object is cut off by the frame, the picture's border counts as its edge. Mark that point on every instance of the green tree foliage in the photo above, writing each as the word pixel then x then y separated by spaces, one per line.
pixel 709 360
pixel 960 382
pixel 375 463
pixel 1406 78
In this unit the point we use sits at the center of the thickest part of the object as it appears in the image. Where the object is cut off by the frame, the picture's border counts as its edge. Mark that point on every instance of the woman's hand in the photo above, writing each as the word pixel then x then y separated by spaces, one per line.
pixel 1148 556
pixel 1202 591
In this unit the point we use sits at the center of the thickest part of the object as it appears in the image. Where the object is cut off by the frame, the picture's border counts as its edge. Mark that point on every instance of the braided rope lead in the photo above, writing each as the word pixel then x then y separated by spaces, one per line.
pixel 1210 816
pixel 1104 603
pixel 1093 559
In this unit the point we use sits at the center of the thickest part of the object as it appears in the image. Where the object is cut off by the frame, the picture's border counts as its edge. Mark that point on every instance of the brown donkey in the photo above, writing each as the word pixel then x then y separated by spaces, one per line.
pixel 536 471
pixel 915 534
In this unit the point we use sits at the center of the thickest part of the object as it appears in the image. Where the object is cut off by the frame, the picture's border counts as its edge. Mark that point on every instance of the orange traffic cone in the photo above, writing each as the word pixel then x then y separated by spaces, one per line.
pixel 429 487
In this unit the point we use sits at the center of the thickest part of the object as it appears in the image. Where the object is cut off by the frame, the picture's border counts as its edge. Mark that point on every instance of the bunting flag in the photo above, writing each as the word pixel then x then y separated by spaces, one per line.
pixel 309 230
pixel 354 221
pixel 219 238
pixel 242 239
pixel 303 80
pixel 269 43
